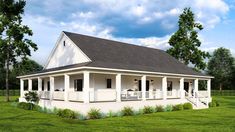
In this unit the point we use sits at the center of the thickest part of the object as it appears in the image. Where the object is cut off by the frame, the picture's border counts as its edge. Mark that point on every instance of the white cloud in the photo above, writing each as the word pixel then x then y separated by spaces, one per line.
pixel 212 5
pixel 138 11
pixel 96 18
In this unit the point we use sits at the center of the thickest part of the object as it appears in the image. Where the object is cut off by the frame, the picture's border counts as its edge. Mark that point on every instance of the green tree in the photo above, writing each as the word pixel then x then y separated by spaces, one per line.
pixel 185 43
pixel 13 43
pixel 25 66
pixel 221 66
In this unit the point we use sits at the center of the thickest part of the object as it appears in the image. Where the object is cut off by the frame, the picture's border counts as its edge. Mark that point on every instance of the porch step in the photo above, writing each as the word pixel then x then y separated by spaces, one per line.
pixel 200 105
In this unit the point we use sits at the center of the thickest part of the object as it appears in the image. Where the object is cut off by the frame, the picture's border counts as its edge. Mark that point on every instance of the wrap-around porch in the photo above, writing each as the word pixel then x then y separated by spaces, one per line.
pixel 91 86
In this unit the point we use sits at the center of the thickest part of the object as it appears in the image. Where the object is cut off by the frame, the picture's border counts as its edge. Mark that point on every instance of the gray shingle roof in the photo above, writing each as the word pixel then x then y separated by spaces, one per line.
pixel 112 54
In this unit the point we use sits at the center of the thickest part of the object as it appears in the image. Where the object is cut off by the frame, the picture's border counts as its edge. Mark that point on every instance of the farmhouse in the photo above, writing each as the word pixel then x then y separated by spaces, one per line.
pixel 85 72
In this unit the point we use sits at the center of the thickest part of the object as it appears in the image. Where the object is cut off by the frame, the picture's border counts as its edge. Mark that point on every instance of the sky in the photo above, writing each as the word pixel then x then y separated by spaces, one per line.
pixel 142 22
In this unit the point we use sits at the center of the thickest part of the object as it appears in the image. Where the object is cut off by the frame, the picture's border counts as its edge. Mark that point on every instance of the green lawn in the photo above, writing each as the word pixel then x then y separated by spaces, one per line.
pixel 214 119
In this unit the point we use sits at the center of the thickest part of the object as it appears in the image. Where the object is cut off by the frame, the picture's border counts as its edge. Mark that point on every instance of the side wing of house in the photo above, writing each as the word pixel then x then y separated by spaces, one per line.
pixel 65 53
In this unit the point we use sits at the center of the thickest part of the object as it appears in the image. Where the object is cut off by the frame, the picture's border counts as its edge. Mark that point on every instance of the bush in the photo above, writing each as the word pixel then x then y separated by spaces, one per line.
pixel 217 103
pixel 111 114
pixel 66 113
pixel 214 103
pixel 31 97
pixel 159 108
pixel 178 107
pixel 26 106
pixel 187 106
pixel 168 108
pixel 148 110
pixel 127 111
pixel 94 114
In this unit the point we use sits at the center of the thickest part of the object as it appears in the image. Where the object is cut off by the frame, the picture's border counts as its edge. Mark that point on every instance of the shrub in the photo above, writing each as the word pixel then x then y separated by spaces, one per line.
pixel 168 108
pixel 217 103
pixel 26 106
pixel 94 114
pixel 31 97
pixel 111 114
pixel 66 113
pixel 187 106
pixel 214 103
pixel 148 110
pixel 159 108
pixel 127 111
pixel 178 107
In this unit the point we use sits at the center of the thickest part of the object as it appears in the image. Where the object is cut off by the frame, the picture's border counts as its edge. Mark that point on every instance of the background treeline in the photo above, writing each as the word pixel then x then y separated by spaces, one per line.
pixel 26 66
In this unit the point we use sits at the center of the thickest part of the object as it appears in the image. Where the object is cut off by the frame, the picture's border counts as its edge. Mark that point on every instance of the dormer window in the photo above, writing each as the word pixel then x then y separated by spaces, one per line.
pixel 64 43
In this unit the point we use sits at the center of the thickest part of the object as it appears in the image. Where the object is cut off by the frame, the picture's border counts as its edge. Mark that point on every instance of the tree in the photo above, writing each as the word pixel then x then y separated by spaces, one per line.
pixel 221 66
pixel 25 66
pixel 13 43
pixel 185 43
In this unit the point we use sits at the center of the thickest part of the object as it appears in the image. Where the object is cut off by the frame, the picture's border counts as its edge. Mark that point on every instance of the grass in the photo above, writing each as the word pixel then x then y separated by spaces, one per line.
pixel 214 119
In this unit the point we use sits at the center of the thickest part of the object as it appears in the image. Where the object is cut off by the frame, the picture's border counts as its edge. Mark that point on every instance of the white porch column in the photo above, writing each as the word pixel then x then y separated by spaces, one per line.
pixel 39 84
pixel 29 84
pixel 143 87
pixel 164 88
pixel 209 88
pixel 21 88
pixel 86 86
pixel 195 88
pixel 182 88
pixel 66 86
pixel 118 87
pixel 52 87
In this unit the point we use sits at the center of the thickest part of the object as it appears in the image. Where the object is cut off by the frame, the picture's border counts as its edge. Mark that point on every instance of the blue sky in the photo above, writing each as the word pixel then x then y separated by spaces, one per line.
pixel 141 22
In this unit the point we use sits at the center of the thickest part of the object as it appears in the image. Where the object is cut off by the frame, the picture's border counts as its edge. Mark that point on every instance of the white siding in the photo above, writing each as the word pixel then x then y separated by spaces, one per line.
pixel 66 55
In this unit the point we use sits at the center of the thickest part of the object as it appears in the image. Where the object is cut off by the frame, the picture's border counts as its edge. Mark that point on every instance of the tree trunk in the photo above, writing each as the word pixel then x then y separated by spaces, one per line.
pixel 220 88
pixel 7 78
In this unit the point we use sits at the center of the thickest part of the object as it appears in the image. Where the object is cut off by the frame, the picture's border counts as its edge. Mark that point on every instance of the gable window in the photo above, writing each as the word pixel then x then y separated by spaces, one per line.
pixel 169 85
pixel 64 43
pixel 78 84
pixel 109 83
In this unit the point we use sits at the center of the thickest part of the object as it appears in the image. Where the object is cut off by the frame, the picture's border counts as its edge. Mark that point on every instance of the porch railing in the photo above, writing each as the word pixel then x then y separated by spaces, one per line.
pixel 131 95
pixel 154 95
pixel 75 96
pixel 103 95
pixel 44 94
pixel 58 95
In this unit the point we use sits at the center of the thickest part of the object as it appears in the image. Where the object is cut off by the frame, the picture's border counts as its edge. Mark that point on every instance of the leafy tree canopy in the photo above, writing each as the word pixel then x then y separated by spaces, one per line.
pixel 13 43
pixel 185 43
pixel 221 66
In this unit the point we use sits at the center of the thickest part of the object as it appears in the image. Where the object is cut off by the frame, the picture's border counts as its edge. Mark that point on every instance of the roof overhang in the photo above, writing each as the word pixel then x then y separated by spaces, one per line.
pixel 71 70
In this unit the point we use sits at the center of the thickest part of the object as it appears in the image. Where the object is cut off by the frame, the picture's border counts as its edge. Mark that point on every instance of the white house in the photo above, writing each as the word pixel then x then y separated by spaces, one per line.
pixel 85 72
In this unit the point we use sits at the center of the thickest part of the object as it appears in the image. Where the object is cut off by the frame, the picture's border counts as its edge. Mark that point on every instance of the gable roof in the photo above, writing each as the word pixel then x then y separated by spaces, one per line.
pixel 118 55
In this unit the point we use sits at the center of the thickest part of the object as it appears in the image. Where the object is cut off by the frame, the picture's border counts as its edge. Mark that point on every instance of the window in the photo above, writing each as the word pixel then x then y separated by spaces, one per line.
pixel 42 85
pixel 147 85
pixel 48 85
pixel 78 84
pixel 64 43
pixel 109 83
pixel 169 85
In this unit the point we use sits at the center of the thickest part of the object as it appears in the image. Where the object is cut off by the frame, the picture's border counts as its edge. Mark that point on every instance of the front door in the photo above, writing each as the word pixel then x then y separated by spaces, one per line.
pixel 147 85
pixel 186 86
